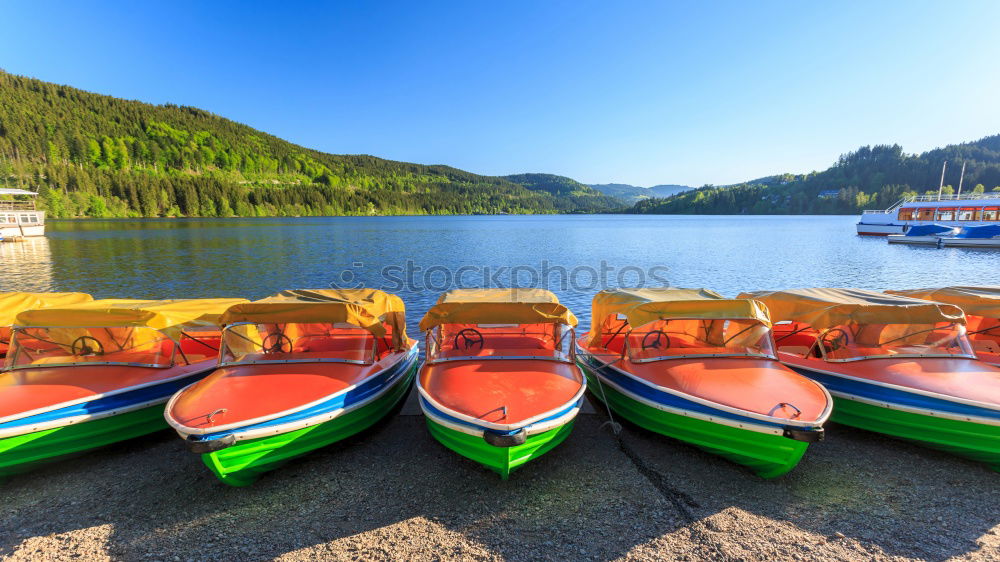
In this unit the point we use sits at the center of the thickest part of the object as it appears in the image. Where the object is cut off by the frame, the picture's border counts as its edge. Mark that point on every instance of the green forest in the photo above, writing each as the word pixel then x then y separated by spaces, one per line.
pixel 872 177
pixel 90 155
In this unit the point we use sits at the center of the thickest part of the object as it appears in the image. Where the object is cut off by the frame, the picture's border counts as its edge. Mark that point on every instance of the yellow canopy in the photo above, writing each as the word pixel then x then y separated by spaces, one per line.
pixel 365 308
pixel 497 306
pixel 826 308
pixel 975 301
pixel 12 304
pixel 167 316
pixel 642 306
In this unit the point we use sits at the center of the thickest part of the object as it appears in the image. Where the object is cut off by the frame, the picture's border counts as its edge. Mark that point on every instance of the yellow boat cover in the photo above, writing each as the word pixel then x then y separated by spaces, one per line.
pixel 975 301
pixel 827 308
pixel 167 316
pixel 12 304
pixel 365 308
pixel 642 306
pixel 497 306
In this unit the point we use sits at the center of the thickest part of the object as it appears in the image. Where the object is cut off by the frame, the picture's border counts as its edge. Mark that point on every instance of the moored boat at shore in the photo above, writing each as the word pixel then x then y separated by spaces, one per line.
pixel 957 211
pixel 982 315
pixel 82 376
pixel 14 303
pixel 500 385
pixel 895 365
pixel 297 371
pixel 694 366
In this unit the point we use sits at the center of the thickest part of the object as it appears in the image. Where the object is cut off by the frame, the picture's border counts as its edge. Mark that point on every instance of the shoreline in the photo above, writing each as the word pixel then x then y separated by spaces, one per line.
pixel 394 493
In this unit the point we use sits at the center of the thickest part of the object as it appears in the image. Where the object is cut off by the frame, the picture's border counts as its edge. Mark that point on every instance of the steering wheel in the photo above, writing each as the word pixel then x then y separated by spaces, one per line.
pixel 659 338
pixel 82 346
pixel 282 343
pixel 471 337
pixel 837 342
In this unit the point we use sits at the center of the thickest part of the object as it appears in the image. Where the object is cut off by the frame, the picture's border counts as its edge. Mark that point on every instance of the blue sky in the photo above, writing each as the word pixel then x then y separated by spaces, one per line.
pixel 632 92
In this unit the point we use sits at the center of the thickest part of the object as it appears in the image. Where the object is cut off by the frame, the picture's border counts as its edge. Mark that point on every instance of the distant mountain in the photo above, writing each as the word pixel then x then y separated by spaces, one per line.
pixel 571 195
pixel 632 194
pixel 871 177
pixel 94 155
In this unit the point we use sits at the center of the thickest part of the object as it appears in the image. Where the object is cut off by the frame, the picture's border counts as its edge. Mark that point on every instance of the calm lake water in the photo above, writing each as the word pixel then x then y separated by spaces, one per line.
pixel 256 257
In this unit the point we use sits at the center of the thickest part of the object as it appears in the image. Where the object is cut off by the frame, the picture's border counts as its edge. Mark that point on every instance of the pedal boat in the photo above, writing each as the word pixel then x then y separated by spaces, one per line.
pixel 982 315
pixel 894 365
pixel 298 371
pixel 694 366
pixel 12 304
pixel 499 385
pixel 82 376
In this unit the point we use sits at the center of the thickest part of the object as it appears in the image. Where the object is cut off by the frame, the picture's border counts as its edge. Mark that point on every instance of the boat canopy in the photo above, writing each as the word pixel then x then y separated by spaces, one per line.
pixel 497 306
pixel 827 308
pixel 642 306
pixel 365 308
pixel 167 316
pixel 985 231
pixel 930 230
pixel 12 304
pixel 975 301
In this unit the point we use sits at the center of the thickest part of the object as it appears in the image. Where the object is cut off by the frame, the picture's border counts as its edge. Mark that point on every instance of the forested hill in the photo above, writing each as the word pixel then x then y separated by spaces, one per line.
pixel 100 156
pixel 570 194
pixel 872 177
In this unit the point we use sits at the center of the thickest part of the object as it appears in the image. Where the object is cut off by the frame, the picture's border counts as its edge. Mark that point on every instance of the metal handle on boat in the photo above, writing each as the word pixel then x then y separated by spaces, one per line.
pixel 215 413
pixel 798 412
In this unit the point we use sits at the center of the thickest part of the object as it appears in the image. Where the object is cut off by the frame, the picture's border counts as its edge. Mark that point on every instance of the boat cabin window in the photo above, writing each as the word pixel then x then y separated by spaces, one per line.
pixel 248 343
pixel 926 214
pixel 62 347
pixel 969 214
pixel 991 213
pixel 946 214
pixel 500 341
pixel 906 214
pixel 855 342
pixel 676 338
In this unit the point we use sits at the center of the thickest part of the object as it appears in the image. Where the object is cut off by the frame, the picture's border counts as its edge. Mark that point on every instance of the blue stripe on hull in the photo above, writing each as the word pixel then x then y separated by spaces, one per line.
pixel 360 393
pixel 666 399
pixel 878 393
pixel 161 392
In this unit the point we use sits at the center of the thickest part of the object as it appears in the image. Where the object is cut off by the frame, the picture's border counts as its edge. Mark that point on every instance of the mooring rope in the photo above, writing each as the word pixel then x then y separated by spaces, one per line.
pixel 681 501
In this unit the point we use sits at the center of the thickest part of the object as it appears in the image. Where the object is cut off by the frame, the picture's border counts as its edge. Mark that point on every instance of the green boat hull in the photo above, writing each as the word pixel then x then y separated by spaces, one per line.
pixel 243 463
pixel 23 453
pixel 976 441
pixel 502 460
pixel 766 454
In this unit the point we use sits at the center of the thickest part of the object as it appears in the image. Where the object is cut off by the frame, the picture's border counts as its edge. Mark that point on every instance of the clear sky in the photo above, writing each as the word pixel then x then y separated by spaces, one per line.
pixel 643 93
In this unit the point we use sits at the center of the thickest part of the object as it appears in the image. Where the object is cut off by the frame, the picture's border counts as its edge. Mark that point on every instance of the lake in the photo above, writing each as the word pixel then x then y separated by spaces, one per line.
pixel 418 257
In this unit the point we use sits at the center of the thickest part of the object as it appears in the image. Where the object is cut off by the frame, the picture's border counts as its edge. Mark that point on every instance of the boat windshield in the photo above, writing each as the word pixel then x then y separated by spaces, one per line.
pixel 855 342
pixel 249 343
pixel 694 337
pixel 63 347
pixel 453 342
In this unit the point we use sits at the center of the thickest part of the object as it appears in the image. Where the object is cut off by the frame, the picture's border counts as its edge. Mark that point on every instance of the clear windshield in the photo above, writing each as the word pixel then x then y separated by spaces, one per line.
pixel 50 347
pixel 867 341
pixel 500 341
pixel 277 343
pixel 669 339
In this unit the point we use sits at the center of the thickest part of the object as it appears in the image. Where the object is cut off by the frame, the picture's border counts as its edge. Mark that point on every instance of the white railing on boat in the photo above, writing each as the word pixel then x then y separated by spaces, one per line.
pixel 944 198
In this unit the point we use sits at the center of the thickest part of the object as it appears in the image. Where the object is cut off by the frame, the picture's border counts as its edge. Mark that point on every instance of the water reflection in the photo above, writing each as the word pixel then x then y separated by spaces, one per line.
pixel 26 265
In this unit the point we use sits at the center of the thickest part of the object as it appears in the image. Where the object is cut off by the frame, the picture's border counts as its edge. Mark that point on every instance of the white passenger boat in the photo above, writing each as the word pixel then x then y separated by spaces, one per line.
pixel 966 209
pixel 18 216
